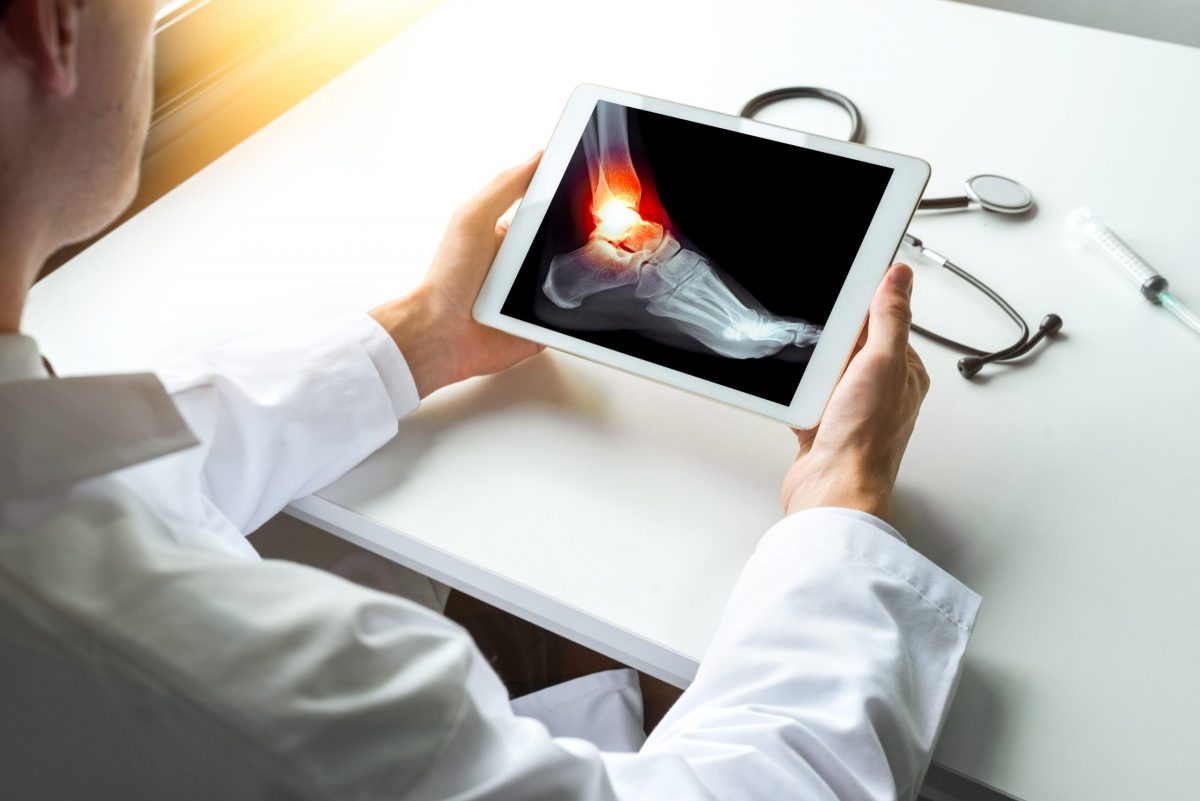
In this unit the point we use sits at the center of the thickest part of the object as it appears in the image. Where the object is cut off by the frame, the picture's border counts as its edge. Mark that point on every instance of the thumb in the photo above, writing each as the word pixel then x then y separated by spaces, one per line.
pixel 891 311
pixel 504 190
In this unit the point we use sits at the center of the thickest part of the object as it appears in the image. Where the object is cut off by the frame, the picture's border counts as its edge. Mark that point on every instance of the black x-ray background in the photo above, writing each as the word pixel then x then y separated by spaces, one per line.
pixel 785 222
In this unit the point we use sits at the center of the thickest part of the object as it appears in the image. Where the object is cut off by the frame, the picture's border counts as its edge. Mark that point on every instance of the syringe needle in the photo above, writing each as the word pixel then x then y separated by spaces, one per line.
pixel 1185 315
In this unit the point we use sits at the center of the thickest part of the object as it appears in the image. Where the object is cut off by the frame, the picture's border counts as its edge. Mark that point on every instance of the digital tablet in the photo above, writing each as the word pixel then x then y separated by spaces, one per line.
pixel 722 256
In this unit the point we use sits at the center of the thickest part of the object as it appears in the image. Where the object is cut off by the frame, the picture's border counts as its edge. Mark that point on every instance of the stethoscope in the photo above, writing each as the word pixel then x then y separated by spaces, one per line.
pixel 992 193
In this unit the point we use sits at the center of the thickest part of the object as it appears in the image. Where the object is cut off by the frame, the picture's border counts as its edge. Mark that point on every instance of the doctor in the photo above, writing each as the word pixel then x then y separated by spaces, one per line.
pixel 127 586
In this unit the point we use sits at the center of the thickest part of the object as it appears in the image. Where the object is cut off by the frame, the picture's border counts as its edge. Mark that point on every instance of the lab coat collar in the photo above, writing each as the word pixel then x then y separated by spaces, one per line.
pixel 19 359
pixel 55 433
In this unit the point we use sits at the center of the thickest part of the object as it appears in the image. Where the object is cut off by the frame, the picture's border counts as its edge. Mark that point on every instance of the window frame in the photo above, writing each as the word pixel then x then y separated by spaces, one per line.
pixel 225 68
pixel 198 43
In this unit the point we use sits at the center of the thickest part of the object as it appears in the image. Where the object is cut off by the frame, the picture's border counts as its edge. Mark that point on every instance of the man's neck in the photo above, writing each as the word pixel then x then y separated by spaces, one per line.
pixel 23 227
pixel 12 302
pixel 20 259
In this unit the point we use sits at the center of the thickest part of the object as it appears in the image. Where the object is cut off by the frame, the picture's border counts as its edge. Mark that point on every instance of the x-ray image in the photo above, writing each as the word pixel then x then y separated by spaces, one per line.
pixel 700 249
pixel 673 289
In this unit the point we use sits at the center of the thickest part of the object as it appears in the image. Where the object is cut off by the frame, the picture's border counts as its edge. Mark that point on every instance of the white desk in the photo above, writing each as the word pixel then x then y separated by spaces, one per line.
pixel 599 504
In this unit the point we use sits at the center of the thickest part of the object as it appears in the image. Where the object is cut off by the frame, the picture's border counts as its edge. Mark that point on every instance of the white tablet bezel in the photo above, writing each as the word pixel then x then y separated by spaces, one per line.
pixel 842 329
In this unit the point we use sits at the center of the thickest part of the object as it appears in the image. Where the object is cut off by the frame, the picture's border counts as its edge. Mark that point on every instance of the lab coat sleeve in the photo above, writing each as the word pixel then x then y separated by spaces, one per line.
pixel 829 676
pixel 281 414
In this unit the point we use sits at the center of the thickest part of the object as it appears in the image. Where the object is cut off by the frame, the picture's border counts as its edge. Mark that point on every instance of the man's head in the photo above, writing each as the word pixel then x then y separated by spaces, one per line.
pixel 75 95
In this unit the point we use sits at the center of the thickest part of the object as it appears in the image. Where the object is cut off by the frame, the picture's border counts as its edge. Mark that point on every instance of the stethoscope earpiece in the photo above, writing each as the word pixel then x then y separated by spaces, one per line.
pixel 969 366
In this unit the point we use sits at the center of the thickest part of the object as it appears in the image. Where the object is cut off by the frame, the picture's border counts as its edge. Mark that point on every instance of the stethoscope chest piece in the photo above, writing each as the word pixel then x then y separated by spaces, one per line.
pixel 988 192
pixel 997 193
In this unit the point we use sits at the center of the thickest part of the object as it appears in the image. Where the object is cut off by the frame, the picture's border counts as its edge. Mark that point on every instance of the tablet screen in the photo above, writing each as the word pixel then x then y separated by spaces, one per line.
pixel 703 250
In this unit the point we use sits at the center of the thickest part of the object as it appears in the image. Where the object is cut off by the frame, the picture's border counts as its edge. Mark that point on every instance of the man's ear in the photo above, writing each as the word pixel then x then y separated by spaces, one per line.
pixel 45 35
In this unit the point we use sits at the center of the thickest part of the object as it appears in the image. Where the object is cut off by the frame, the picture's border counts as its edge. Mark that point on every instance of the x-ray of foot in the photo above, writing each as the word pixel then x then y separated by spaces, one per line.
pixel 677 285
pixel 640 277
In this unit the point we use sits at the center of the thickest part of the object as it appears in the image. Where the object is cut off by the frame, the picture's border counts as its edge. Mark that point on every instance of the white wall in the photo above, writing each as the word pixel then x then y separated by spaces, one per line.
pixel 1169 20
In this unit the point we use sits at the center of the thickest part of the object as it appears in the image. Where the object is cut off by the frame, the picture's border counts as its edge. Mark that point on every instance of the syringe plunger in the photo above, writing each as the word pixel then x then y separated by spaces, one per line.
pixel 1091 230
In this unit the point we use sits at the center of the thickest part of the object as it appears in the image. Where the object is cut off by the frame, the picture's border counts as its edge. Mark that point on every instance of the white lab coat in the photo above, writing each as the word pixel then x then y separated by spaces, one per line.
pixel 829 676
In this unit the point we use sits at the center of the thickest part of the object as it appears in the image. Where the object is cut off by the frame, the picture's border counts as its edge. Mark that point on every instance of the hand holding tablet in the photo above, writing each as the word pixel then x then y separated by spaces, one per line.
pixel 851 460
pixel 720 255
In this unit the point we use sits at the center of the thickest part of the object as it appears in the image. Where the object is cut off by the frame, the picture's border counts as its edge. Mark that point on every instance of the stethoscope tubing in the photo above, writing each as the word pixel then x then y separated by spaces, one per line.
pixel 759 102
pixel 994 296
pixel 857 135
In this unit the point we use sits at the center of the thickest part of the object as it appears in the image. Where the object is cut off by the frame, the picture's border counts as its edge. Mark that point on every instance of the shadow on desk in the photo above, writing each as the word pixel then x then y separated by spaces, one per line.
pixel 538 382
pixel 978 700
pixel 916 514
pixel 537 386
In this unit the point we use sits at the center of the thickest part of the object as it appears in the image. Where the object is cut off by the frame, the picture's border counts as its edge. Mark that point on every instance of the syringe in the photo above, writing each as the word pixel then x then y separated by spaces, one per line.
pixel 1089 229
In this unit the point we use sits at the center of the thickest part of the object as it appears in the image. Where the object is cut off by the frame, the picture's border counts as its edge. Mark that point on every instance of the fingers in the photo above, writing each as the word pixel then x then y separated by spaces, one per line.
pixel 804 438
pixel 861 343
pixel 891 312
pixel 503 224
pixel 503 191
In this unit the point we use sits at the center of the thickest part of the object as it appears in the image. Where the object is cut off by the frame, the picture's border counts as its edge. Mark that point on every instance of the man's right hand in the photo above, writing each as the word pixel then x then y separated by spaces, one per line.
pixel 433 325
pixel 851 459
